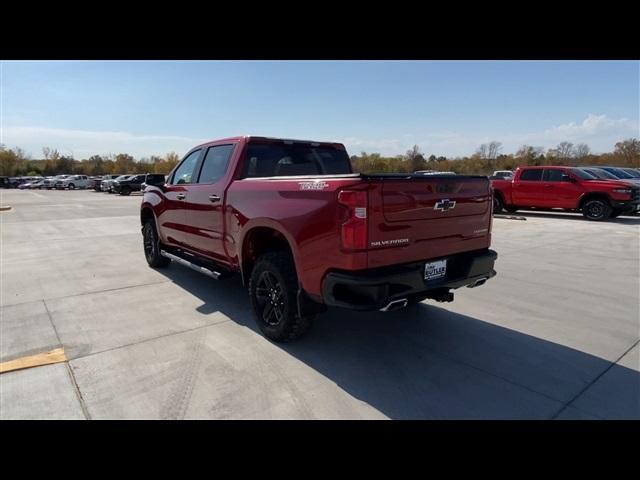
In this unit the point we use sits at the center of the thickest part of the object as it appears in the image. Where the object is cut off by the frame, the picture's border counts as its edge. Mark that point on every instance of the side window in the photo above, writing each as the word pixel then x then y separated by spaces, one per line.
pixel 553 175
pixel 184 173
pixel 533 175
pixel 215 163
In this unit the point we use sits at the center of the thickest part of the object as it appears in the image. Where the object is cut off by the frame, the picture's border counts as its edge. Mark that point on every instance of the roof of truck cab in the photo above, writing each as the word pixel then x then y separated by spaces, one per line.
pixel 249 138
pixel 540 167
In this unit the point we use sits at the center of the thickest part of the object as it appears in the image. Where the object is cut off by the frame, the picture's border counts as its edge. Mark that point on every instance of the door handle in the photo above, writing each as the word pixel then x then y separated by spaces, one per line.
pixel 180 196
pixel 548 186
pixel 214 198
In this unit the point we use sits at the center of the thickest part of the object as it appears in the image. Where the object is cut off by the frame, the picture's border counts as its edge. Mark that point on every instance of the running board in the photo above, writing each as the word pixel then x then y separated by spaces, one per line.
pixel 209 273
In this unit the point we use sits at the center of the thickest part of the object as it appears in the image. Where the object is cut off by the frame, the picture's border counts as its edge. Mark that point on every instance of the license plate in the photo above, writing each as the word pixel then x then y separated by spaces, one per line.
pixel 433 270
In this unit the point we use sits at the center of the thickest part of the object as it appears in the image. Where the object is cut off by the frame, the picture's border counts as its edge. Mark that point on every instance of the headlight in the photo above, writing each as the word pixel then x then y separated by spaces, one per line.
pixel 626 191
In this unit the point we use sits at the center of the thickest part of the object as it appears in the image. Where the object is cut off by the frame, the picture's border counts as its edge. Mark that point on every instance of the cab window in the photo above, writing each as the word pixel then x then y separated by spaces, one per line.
pixel 555 176
pixel 185 172
pixel 215 163
pixel 533 175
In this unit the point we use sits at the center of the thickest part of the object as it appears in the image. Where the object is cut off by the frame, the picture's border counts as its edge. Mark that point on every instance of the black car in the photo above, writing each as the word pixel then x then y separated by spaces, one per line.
pixel 4 182
pixel 128 185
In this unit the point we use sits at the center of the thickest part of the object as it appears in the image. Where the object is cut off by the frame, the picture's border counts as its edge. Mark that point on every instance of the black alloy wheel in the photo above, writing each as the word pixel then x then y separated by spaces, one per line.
pixel 270 299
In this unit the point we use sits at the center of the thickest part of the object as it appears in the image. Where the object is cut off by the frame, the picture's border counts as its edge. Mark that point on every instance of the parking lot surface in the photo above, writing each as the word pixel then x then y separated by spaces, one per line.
pixel 553 336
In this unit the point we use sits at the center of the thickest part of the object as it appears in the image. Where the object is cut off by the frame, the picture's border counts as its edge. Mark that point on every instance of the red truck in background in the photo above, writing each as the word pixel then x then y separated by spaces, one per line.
pixel 566 188
pixel 305 232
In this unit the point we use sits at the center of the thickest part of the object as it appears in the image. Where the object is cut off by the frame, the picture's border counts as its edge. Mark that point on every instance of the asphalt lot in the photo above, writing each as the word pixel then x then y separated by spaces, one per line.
pixel 554 336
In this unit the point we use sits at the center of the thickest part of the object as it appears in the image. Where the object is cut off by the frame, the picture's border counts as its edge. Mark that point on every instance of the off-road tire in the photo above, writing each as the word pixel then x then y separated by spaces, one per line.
pixel 151 245
pixel 596 209
pixel 273 289
pixel 125 191
pixel 71 186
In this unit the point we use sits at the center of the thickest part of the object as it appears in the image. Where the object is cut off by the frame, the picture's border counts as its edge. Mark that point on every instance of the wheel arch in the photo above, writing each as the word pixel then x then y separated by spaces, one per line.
pixel 260 237
pixel 592 196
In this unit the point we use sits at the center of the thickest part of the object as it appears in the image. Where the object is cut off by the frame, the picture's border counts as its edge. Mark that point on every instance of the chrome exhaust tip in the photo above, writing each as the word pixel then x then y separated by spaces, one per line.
pixel 395 305
pixel 477 283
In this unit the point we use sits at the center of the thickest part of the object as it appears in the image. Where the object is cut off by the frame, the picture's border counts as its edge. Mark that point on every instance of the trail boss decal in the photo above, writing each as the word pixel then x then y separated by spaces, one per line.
pixel 444 205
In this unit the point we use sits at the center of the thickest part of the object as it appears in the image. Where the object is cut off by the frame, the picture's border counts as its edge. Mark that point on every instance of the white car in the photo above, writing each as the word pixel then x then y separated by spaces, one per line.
pixel 74 181
pixel 433 172
pixel 502 174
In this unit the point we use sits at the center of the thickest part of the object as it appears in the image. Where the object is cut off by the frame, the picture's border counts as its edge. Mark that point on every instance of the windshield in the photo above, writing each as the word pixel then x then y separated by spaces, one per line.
pixel 632 172
pixel 583 174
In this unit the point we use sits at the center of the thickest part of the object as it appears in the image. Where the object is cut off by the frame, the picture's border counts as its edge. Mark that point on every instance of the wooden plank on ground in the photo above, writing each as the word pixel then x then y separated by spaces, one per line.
pixel 53 356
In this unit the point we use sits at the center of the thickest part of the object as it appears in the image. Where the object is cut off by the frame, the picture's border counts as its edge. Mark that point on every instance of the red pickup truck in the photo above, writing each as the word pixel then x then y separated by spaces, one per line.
pixel 566 188
pixel 305 232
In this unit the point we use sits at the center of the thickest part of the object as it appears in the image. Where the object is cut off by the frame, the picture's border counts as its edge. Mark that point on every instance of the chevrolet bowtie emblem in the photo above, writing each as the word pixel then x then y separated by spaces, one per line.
pixel 445 205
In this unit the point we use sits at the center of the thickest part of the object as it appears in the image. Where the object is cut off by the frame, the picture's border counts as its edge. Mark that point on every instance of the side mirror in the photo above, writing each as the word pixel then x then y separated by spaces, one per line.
pixel 155 179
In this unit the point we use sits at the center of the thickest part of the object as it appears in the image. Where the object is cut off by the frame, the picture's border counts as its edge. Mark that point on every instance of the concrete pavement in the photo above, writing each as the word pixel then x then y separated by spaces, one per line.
pixel 554 335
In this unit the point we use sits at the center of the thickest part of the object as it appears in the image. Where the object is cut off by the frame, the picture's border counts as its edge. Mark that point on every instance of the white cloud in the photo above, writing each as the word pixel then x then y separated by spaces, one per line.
pixel 84 143
pixel 591 126
pixel 598 131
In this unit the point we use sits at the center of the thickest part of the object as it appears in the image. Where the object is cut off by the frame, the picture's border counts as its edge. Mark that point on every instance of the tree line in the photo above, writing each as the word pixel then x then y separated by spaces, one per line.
pixel 487 158
pixel 14 162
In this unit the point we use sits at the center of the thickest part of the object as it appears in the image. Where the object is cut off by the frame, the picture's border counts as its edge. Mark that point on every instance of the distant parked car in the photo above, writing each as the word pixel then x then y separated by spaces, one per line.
pixel 599 173
pixel 634 172
pixel 37 185
pixel 94 183
pixel 432 172
pixel 620 174
pixel 27 181
pixel 49 182
pixel 127 185
pixel 567 188
pixel 58 179
pixel 107 180
pixel 4 182
pixel 73 181
pixel 502 174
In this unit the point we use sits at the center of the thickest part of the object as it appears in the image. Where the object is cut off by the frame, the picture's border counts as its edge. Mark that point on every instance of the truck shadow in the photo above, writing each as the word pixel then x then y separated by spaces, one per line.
pixel 426 362
pixel 622 220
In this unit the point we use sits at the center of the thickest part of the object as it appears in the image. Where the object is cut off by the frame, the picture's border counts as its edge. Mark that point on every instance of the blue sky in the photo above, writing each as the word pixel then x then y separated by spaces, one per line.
pixel 447 108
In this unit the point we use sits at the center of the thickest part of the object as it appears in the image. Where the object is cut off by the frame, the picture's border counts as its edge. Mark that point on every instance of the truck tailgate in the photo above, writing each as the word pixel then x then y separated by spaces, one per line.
pixel 418 218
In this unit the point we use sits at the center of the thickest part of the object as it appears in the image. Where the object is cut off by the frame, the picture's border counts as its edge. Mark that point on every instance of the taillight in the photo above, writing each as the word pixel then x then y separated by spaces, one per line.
pixel 354 230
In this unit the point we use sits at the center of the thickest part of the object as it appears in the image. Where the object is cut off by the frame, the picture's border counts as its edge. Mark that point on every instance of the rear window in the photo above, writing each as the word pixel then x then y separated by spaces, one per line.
pixel 282 160
pixel 534 175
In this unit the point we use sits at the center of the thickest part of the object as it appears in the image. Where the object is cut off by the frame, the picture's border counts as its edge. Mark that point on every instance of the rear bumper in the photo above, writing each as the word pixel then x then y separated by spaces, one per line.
pixel 374 289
